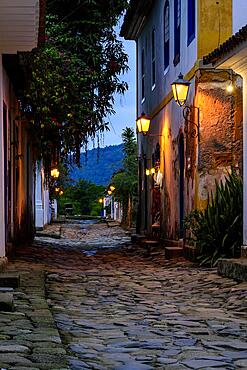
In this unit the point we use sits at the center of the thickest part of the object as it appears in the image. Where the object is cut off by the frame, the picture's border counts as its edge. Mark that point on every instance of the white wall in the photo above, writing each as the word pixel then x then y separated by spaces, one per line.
pixel 239 9
pixel 39 198
pixel 188 55
pixel 42 199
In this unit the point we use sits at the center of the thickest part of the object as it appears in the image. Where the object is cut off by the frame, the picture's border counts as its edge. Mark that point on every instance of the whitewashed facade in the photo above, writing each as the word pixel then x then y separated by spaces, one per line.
pixel 19 26
pixel 171 37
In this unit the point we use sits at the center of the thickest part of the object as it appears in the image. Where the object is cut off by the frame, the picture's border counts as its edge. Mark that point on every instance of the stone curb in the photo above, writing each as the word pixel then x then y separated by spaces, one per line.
pixel 30 338
pixel 233 268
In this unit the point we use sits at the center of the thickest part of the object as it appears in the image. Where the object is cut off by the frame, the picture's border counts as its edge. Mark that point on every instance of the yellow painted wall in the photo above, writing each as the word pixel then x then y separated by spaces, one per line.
pixel 214 24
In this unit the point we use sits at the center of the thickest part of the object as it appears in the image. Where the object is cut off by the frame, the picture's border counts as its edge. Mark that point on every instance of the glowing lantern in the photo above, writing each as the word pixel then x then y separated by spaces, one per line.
pixel 180 89
pixel 55 173
pixel 143 123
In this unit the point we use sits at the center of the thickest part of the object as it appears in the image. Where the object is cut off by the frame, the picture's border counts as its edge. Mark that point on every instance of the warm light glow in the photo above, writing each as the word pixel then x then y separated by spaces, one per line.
pixel 230 88
pixel 180 89
pixel 55 173
pixel 61 192
pixel 147 172
pixel 101 200
pixel 143 123
pixel 57 190
pixel 109 192
pixel 112 188
pixel 152 170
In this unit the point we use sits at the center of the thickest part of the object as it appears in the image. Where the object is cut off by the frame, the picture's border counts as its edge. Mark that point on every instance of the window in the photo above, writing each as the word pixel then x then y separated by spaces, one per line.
pixel 153 59
pixel 143 75
pixel 191 20
pixel 177 27
pixel 166 34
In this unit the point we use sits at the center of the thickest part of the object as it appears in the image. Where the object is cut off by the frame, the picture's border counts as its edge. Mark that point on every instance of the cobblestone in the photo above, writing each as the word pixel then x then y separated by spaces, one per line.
pixel 114 308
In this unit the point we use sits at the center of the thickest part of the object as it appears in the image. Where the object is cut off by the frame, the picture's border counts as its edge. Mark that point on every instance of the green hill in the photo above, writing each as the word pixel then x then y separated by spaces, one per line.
pixel 99 164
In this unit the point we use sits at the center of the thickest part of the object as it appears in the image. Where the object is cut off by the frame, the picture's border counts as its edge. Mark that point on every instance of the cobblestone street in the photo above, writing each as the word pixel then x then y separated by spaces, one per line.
pixel 116 308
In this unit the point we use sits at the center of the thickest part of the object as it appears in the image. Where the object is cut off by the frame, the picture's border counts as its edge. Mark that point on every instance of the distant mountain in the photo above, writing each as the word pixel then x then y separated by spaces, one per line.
pixel 99 164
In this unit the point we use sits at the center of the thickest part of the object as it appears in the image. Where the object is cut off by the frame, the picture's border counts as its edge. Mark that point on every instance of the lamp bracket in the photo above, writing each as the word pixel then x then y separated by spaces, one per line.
pixel 187 113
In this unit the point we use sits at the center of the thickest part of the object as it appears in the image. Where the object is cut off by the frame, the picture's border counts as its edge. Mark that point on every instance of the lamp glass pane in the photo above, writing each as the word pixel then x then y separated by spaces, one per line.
pixel 145 122
pixel 181 92
pixel 174 90
pixel 138 123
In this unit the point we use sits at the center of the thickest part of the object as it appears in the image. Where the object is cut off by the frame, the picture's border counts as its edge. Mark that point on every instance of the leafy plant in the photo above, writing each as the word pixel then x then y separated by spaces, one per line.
pixel 217 230
pixel 126 179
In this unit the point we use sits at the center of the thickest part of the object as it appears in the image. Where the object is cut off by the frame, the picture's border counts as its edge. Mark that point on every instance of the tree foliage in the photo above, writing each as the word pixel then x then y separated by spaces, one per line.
pixel 84 196
pixel 126 180
pixel 73 77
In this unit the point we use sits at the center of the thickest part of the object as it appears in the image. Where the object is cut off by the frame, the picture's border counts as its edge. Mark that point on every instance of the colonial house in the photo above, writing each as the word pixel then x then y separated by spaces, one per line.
pixel 20 23
pixel 192 143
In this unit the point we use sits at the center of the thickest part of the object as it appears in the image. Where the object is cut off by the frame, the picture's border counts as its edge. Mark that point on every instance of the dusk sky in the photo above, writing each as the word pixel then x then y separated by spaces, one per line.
pixel 125 106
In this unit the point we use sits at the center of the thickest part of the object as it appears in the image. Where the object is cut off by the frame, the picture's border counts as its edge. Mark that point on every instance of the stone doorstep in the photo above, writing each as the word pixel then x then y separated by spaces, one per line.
pixel 3 263
pixel 149 244
pixel 137 238
pixel 190 253
pixel 233 268
pixel 9 279
pixel 173 252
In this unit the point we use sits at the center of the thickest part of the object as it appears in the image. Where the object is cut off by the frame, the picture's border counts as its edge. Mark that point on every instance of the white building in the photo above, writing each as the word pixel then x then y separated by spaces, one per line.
pixel 172 36
pixel 19 29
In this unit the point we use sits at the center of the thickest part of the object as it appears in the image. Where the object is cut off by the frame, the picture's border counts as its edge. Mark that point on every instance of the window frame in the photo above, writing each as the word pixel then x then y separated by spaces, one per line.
pixel 177 31
pixel 166 26
pixel 153 58
pixel 143 75
pixel 191 21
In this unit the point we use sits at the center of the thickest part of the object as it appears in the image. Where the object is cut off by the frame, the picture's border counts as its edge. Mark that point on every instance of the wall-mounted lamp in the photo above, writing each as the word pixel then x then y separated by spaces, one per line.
pixel 143 123
pixel 55 173
pixel 180 89
pixel 109 192
pixel 112 187
pixel 150 171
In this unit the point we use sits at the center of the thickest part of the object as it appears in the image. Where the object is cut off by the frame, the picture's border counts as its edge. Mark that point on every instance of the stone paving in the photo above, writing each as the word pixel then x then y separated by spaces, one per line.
pixel 118 308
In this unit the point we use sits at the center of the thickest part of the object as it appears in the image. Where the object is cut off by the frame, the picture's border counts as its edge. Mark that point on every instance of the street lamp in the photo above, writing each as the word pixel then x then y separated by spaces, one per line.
pixel 55 173
pixel 150 171
pixel 143 123
pixel 101 201
pixel 180 89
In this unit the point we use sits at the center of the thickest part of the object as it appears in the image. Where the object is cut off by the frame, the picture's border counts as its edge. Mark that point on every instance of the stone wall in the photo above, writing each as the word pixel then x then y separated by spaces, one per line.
pixel 221 113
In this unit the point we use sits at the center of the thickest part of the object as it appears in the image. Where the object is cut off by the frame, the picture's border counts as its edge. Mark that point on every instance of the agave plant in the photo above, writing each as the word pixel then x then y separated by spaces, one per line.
pixel 217 230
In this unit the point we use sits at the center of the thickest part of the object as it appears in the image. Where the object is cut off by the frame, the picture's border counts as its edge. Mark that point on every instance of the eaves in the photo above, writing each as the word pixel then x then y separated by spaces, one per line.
pixel 135 18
